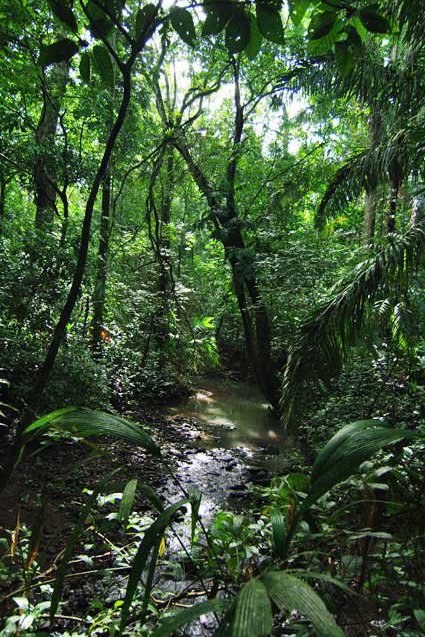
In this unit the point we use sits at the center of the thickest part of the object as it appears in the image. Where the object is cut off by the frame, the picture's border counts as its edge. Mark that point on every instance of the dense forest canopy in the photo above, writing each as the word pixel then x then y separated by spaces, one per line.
pixel 228 190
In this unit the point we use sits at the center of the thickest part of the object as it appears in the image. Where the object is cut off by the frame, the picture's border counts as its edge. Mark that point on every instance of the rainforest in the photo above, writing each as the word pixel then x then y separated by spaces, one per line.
pixel 212 318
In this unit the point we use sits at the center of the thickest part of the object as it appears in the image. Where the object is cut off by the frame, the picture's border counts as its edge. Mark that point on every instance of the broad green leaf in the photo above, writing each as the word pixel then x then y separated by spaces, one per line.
pixel 344 58
pixel 373 21
pixel 87 423
pixel 297 10
pixel 58 52
pixel 238 32
pixel 253 612
pixel 182 22
pixel 218 15
pixel 151 540
pixel 346 451
pixel 290 593
pixel 321 23
pixel 324 577
pixel 255 40
pixel 278 530
pixel 127 501
pixel 144 17
pixel 64 13
pixel 75 535
pixel 103 64
pixel 100 23
pixel 357 24
pixel 85 67
pixel 325 44
pixel 170 626
pixel 270 23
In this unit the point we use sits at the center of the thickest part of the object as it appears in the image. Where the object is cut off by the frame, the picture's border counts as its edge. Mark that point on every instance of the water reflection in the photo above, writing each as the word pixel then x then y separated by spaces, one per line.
pixel 236 412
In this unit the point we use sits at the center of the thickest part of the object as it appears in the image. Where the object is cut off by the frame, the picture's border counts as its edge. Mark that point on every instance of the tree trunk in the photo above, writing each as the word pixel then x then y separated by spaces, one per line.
pixel 44 372
pixel 99 296
pixel 44 170
pixel 369 216
pixel 253 313
pixel 162 331
pixel 3 184
pixel 371 198
pixel 396 181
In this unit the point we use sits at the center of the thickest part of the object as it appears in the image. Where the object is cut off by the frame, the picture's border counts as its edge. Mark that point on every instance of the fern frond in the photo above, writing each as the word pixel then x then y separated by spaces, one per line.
pixel 323 340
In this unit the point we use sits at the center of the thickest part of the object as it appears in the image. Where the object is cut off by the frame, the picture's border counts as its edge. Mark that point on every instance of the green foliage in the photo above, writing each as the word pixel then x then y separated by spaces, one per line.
pixel 182 22
pixel 103 64
pixel 60 51
pixel 253 612
pixel 168 228
pixel 289 593
pixel 86 423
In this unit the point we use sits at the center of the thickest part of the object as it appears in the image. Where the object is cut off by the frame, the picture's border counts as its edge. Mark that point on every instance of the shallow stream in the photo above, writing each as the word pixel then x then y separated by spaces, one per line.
pixel 236 428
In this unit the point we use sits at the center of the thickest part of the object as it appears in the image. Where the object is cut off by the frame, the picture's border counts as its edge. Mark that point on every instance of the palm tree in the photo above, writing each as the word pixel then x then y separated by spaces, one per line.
pixel 394 93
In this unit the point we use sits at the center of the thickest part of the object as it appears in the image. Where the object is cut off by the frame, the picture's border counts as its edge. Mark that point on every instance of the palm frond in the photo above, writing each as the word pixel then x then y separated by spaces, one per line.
pixel 323 340
pixel 347 184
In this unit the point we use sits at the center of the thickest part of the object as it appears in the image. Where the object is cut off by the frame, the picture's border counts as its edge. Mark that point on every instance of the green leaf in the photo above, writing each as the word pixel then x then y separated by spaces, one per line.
pixel 270 23
pixel 324 577
pixel 354 42
pixel 238 32
pixel 218 15
pixel 87 423
pixel 373 21
pixel 325 44
pixel 253 613
pixel 182 22
pixel 420 618
pixel 344 59
pixel 255 40
pixel 357 24
pixel 346 451
pixel 60 51
pixel 103 64
pixel 100 23
pixel 297 10
pixel 321 24
pixel 64 13
pixel 150 540
pixel 78 528
pixel 151 496
pixel 127 501
pixel 144 17
pixel 290 593
pixel 85 67
pixel 278 530
pixel 195 501
pixel 171 625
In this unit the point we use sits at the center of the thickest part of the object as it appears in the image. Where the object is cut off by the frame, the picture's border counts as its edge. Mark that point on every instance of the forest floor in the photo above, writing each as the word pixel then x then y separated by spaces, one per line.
pixel 189 447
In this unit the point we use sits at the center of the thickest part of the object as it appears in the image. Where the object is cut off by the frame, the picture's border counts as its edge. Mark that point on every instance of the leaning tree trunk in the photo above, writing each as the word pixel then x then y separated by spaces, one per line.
pixel 251 306
pixel 44 170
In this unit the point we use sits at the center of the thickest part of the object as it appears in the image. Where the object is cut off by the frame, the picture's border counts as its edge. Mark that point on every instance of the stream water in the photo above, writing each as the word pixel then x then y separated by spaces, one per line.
pixel 234 436
pixel 236 426
pixel 235 413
